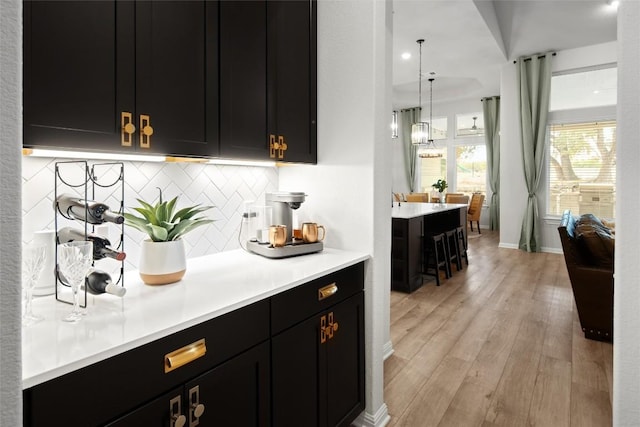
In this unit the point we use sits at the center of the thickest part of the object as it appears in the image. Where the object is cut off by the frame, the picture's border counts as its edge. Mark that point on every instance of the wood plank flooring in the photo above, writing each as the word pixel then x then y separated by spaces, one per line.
pixel 498 344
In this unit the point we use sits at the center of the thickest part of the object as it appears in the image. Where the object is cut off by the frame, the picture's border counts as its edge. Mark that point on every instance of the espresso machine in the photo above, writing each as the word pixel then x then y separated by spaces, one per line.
pixel 282 205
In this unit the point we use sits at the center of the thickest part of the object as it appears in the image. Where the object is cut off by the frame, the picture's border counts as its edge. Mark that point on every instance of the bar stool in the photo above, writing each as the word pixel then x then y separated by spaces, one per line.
pixel 463 244
pixel 435 256
pixel 453 249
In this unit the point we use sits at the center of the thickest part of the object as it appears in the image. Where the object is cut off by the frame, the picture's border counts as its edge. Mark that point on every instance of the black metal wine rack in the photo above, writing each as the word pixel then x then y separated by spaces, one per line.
pixel 91 182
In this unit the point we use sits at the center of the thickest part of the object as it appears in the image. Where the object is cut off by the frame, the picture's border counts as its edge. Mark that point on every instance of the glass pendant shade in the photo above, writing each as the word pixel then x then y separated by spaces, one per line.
pixel 419 133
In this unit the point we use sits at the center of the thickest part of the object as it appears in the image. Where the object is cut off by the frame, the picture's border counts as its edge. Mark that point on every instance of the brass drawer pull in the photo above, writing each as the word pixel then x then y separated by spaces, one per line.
pixel 146 131
pixel 184 355
pixel 127 128
pixel 327 291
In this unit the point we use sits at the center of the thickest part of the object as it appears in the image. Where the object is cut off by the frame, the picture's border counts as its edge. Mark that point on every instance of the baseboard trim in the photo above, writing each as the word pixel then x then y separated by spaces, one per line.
pixel 380 419
pixel 508 245
pixel 387 350
pixel 552 250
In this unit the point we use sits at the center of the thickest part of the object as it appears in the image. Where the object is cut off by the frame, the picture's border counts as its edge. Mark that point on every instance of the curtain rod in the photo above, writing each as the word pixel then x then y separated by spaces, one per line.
pixel 490 97
pixel 539 57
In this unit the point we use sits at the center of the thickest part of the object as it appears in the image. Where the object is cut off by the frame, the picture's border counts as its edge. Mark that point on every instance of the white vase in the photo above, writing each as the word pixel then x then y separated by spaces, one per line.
pixel 162 263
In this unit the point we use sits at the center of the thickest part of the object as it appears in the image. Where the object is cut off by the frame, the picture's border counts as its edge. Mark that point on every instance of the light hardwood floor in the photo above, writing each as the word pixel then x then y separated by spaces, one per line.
pixel 498 344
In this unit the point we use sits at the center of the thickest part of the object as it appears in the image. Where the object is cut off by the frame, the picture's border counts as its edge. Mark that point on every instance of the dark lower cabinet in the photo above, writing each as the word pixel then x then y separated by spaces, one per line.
pixel 295 359
pixel 235 393
pixel 318 367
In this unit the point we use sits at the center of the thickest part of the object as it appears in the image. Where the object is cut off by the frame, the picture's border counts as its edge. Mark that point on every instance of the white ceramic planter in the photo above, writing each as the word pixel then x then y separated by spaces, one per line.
pixel 162 263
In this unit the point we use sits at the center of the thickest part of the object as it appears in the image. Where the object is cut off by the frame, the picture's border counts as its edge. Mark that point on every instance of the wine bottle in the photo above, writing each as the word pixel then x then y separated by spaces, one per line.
pixel 73 207
pixel 101 246
pixel 99 282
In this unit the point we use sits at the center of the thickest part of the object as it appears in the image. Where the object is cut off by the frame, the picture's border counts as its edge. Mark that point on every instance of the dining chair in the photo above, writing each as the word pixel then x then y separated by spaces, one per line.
pixel 475 209
pixel 457 198
pixel 417 197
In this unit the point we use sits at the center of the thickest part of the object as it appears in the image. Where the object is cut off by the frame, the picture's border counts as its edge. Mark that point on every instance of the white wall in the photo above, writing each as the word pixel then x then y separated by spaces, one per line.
pixel 513 190
pixel 626 322
pixel 349 191
pixel 10 145
pixel 449 110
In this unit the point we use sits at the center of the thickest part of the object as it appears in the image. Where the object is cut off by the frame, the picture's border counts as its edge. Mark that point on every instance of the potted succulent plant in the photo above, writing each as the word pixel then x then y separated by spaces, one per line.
pixel 162 255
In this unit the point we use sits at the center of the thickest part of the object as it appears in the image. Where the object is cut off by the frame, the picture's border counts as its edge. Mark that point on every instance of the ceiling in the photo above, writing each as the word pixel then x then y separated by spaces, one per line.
pixel 468 41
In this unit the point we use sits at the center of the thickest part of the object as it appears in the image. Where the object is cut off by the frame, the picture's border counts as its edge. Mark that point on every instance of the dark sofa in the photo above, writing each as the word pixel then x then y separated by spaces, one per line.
pixel 588 253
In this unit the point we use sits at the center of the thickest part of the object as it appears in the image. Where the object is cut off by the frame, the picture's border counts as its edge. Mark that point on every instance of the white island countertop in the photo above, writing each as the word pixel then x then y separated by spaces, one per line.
pixel 407 210
pixel 213 285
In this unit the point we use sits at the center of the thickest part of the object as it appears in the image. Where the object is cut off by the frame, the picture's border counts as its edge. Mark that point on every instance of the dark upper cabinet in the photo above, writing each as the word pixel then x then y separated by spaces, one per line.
pixel 243 79
pixel 291 79
pixel 268 80
pixel 122 76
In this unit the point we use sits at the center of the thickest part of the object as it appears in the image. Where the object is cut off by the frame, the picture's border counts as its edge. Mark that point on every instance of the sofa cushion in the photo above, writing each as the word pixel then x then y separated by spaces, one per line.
pixel 595 240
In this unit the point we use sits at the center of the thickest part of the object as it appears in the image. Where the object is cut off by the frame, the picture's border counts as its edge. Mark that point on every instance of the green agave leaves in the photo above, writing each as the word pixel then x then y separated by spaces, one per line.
pixel 162 224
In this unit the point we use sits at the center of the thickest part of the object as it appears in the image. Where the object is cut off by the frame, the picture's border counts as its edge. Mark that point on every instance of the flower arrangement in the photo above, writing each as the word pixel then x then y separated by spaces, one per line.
pixel 440 185
pixel 161 223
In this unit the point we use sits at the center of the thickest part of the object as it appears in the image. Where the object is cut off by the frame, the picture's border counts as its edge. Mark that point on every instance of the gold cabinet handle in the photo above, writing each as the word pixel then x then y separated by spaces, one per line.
pixel 323 329
pixel 176 419
pixel 333 326
pixel 282 147
pixel 127 129
pixel 327 291
pixel 147 131
pixel 184 355
pixel 273 146
pixel 196 409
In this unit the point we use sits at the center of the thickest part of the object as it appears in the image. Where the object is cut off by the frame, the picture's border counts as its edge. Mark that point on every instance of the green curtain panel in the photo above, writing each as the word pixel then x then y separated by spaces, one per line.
pixel 491 111
pixel 408 117
pixel 534 82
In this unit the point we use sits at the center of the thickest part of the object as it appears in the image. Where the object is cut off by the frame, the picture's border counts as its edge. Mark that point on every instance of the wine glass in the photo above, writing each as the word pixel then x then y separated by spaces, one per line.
pixel 74 260
pixel 33 257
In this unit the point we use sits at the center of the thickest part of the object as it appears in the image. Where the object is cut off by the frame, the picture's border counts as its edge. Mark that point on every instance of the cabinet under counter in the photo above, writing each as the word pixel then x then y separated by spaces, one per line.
pixel 120 349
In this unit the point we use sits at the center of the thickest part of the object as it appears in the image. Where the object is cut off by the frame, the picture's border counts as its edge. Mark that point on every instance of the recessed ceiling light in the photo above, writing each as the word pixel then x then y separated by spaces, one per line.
pixel 613 3
pixel 596 92
pixel 405 55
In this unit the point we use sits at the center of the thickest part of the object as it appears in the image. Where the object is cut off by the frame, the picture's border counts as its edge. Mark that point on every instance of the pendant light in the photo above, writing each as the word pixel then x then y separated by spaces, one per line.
pixel 429 149
pixel 420 130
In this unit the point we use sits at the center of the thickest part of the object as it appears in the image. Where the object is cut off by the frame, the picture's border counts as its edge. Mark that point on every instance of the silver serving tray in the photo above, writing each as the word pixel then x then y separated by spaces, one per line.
pixel 286 251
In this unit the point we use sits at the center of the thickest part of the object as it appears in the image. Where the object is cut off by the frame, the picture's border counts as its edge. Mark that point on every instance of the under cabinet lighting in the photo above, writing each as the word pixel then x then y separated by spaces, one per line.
pixel 264 164
pixel 38 152
pixel 89 155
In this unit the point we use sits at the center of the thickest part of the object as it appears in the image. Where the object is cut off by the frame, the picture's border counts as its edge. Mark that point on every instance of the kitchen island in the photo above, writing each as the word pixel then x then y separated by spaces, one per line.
pixel 229 295
pixel 410 222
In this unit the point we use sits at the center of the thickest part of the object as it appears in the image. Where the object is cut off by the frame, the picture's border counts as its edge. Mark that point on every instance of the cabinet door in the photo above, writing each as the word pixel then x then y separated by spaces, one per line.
pixel 235 393
pixel 345 362
pixel 292 77
pixel 79 64
pixel 243 74
pixel 318 378
pixel 296 357
pixel 165 411
pixel 177 76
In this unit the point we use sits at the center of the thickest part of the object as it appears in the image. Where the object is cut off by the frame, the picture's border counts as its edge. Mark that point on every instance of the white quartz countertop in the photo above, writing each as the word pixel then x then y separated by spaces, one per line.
pixel 213 285
pixel 408 210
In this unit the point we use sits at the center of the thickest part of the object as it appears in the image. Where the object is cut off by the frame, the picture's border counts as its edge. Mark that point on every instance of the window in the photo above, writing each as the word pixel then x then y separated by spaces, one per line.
pixel 581 162
pixel 469 124
pixel 439 128
pixel 432 169
pixel 471 169
pixel 582 168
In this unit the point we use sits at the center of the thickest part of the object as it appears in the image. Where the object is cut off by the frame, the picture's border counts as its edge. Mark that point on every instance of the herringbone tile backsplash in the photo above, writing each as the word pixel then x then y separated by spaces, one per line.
pixel 224 187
